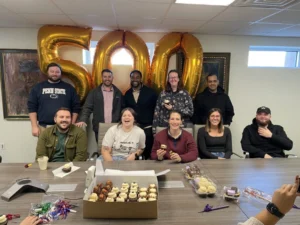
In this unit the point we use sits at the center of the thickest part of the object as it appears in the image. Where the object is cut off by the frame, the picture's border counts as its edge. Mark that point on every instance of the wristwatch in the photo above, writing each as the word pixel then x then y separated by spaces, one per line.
pixel 272 208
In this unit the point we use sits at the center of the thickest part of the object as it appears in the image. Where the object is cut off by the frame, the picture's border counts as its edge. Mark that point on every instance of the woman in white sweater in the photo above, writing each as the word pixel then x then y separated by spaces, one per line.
pixel 283 199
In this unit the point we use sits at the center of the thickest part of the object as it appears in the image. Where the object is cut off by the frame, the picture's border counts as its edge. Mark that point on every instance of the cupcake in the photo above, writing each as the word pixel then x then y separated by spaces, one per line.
pixel 94 197
pixel 135 189
pixel 126 185
pixel 112 195
pixel 202 191
pixel 101 198
pixel 143 194
pixel 3 220
pixel 110 200
pixel 104 191
pixel 143 189
pixel 132 197
pixel 152 190
pixel 107 187
pixel 67 168
pixel 163 147
pixel 124 190
pixel 232 194
pixel 167 101
pixel 115 189
pixel 134 184
pixel 152 195
pixel 100 185
pixel 90 200
pixel 96 190
pixel 120 199
pixel 123 195
pixel 152 185
pixel 109 183
pixel 142 200
pixel 151 199
pixel 211 191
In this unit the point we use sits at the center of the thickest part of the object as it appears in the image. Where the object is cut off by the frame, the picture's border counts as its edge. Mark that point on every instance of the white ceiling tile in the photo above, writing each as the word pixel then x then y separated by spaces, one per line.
pixel 184 25
pixel 97 22
pixel 217 27
pixel 139 29
pixel 49 19
pixel 193 12
pixel 260 28
pixel 31 6
pixel 85 7
pixel 126 8
pixel 139 22
pixel 14 20
pixel 285 17
pixel 154 1
pixel 244 14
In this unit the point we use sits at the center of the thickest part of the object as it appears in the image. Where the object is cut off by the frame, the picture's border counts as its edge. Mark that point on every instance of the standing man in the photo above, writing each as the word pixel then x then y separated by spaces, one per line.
pixel 262 139
pixel 212 97
pixel 48 96
pixel 143 100
pixel 105 102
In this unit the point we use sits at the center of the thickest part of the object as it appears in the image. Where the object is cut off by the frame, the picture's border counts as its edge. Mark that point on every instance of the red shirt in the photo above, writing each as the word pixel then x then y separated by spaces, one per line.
pixel 184 146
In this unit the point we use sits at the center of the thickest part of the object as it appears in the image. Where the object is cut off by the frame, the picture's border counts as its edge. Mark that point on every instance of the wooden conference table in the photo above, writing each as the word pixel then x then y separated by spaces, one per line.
pixel 176 206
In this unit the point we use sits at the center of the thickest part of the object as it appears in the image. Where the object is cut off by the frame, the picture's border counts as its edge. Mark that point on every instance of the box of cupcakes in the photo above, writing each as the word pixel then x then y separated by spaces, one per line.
pixel 122 194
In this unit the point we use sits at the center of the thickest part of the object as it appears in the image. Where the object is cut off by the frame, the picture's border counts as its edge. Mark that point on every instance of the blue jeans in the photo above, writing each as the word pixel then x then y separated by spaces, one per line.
pixel 115 158
pixel 219 154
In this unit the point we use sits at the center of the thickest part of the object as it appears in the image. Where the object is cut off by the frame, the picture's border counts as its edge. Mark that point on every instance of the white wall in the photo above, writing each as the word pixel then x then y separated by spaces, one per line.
pixel 249 88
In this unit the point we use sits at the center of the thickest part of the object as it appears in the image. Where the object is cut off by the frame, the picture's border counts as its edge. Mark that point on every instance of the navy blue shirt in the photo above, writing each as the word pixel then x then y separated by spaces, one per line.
pixel 46 98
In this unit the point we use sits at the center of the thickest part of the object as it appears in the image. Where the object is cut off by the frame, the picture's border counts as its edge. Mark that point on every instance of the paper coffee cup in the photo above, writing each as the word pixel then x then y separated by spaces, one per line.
pixel 43 162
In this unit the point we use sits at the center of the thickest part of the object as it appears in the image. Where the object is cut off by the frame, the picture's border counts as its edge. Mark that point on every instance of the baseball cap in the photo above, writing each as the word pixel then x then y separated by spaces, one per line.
pixel 263 109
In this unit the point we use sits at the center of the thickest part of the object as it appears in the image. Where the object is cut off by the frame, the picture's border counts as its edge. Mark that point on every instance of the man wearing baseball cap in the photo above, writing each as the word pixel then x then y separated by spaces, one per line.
pixel 262 139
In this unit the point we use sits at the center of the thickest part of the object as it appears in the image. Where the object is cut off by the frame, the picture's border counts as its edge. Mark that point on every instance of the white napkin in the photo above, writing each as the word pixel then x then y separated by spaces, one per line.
pixel 59 173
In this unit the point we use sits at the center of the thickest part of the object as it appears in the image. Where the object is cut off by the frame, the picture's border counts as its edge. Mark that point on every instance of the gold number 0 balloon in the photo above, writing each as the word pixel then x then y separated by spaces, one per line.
pixel 117 39
pixel 50 38
pixel 168 45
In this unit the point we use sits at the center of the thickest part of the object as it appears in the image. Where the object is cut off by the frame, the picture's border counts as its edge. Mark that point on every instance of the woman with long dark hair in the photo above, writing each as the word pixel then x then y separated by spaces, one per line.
pixel 214 140
pixel 124 141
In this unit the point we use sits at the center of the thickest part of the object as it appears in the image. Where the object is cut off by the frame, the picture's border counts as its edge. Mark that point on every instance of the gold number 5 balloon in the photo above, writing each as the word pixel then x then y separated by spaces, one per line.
pixel 50 38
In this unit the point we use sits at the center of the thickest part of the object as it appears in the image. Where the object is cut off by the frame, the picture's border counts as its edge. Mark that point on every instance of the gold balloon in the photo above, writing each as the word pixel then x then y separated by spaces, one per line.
pixel 50 38
pixel 166 46
pixel 193 63
pixel 105 47
pixel 118 39
pixel 140 53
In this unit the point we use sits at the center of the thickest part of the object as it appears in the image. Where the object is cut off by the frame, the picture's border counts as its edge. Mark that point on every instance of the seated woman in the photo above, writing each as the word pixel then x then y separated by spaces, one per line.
pixel 124 141
pixel 174 143
pixel 214 140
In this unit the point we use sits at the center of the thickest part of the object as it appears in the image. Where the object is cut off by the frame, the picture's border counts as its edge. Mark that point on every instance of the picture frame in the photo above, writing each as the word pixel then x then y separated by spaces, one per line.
pixel 19 72
pixel 218 63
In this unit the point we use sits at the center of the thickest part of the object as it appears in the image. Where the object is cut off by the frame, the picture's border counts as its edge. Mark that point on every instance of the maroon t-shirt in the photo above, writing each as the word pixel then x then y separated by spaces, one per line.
pixel 184 146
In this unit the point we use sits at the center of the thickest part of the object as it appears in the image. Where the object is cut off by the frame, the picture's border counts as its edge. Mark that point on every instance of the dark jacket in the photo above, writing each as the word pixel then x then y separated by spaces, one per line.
pixel 75 144
pixel 206 100
pixel 145 105
pixel 258 146
pixel 94 103
pixel 46 98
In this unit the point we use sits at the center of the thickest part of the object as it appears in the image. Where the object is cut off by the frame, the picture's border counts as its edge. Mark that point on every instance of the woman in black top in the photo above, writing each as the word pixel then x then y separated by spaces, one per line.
pixel 214 140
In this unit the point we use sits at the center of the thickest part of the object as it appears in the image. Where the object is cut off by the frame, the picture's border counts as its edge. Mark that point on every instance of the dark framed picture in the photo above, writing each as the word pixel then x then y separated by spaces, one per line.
pixel 19 73
pixel 217 63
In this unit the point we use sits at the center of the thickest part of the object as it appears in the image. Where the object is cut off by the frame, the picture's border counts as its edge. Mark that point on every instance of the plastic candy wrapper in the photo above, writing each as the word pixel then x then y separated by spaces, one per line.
pixel 231 194
pixel 191 171
pixel 52 208
pixel 252 193
pixel 204 186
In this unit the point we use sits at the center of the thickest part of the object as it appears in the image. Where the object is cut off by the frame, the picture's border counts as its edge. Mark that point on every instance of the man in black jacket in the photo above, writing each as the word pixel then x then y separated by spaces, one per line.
pixel 105 102
pixel 262 139
pixel 143 100
pixel 212 97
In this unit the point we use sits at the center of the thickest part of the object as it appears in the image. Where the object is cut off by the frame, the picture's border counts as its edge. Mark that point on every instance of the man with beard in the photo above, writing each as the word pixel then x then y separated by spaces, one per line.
pixel 212 97
pixel 105 102
pixel 63 142
pixel 262 139
pixel 48 96
pixel 142 100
